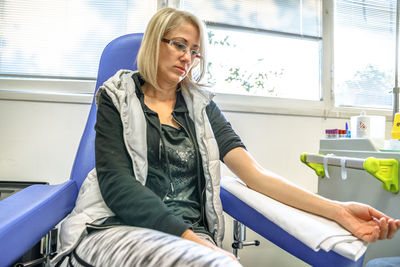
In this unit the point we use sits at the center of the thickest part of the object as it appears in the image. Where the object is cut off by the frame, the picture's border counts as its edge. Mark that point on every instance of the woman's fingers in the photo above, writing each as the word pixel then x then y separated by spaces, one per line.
pixel 384 228
pixel 388 228
pixel 372 236
pixel 393 227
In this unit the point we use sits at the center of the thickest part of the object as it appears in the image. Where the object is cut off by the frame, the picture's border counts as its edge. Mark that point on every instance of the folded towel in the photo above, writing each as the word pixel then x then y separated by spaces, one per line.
pixel 314 231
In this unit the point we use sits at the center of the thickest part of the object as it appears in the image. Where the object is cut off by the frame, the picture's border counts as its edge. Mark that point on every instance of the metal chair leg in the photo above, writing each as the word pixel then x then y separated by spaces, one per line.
pixel 239 238
pixel 48 246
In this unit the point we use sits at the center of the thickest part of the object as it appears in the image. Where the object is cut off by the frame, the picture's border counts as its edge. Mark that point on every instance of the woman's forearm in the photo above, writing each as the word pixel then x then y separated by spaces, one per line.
pixel 284 191
pixel 278 188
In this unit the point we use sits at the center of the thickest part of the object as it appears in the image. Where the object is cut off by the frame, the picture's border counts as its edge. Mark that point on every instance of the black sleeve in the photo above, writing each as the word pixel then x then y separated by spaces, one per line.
pixel 226 137
pixel 133 203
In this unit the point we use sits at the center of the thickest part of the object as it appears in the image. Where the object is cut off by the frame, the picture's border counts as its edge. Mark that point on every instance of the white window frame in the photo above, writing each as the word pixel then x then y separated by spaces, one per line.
pixel 47 90
pixel 332 111
pixel 59 90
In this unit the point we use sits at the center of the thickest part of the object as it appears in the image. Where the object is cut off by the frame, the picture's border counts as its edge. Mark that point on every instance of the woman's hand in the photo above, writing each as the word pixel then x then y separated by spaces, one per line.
pixel 366 222
pixel 190 235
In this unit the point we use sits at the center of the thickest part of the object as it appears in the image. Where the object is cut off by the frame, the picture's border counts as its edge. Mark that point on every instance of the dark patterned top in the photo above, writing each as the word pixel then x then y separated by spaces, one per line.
pixel 183 196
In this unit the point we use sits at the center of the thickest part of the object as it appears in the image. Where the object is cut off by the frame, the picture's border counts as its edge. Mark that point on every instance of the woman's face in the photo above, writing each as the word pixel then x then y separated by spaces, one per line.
pixel 173 63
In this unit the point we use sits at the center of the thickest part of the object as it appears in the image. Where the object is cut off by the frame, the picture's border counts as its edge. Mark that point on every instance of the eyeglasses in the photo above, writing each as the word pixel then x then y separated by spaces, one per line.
pixel 182 47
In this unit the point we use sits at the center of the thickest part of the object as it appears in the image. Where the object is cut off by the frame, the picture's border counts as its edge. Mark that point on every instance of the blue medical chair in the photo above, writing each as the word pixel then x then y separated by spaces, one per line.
pixel 29 214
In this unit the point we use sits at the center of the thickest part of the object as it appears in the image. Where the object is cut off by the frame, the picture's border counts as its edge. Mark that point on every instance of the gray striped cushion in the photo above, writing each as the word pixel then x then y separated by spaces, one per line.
pixel 133 246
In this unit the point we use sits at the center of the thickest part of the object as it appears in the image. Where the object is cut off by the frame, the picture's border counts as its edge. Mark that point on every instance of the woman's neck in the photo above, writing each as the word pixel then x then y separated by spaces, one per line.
pixel 161 102
pixel 165 94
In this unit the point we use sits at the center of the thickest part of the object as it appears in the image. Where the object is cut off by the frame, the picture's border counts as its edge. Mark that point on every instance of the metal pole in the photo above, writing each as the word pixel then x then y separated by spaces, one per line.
pixel 353 163
pixel 396 68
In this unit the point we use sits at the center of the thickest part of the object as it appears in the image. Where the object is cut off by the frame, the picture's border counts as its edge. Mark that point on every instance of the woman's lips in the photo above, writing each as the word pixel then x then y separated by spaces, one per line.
pixel 180 69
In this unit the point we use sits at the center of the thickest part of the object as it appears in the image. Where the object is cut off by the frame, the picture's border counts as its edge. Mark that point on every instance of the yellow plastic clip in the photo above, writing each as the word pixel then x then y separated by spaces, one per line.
pixel 396 127
pixel 317 167
pixel 386 171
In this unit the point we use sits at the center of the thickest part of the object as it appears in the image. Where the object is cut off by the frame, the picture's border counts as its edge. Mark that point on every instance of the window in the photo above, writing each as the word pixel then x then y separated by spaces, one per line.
pixel 64 38
pixel 365 38
pixel 270 48
pixel 263 48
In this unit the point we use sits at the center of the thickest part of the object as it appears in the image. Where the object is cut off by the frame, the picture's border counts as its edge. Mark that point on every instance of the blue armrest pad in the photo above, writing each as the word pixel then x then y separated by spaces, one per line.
pixel 269 230
pixel 26 216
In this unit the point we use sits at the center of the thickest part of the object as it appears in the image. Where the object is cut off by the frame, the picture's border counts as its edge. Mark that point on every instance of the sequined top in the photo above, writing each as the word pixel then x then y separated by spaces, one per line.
pixel 183 196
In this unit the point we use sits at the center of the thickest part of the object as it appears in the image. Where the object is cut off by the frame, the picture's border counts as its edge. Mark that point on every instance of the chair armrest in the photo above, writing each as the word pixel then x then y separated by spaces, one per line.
pixel 26 216
pixel 257 222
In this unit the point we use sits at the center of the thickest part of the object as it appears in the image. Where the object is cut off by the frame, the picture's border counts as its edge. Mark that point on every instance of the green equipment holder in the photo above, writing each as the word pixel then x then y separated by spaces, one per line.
pixel 385 170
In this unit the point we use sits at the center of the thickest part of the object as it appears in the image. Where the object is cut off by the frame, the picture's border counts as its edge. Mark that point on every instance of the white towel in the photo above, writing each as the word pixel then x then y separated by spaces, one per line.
pixel 314 231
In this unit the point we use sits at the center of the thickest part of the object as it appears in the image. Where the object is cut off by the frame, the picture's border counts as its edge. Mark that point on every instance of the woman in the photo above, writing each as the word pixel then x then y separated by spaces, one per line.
pixel 159 140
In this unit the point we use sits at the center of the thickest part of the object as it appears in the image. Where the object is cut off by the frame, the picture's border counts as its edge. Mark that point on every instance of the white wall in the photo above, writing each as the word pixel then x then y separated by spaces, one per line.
pixel 38 141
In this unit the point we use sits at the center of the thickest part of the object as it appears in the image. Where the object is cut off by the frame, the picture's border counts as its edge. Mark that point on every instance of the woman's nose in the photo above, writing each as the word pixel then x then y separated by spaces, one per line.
pixel 187 56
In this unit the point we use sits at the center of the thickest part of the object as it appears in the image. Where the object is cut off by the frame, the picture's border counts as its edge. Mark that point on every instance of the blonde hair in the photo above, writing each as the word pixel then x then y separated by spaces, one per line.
pixel 160 24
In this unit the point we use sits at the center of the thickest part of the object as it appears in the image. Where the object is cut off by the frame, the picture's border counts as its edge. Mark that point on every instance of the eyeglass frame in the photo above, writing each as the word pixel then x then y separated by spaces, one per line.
pixel 176 44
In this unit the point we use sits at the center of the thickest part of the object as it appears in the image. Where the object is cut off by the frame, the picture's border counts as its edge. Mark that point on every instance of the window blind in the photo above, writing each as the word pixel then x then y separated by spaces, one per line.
pixel 365 38
pixel 301 17
pixel 64 38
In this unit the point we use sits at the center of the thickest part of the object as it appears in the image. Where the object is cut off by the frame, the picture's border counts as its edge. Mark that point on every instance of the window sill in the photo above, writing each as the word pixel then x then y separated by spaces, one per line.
pixel 47 90
pixel 81 92
pixel 291 107
pixel 36 96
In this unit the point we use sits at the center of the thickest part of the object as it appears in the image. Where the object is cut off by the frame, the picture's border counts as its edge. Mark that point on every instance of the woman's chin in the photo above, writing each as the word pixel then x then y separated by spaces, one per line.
pixel 179 78
pixel 174 79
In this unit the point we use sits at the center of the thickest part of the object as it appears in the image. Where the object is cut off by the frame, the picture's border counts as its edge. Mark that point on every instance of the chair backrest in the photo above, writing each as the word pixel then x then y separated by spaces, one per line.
pixel 119 54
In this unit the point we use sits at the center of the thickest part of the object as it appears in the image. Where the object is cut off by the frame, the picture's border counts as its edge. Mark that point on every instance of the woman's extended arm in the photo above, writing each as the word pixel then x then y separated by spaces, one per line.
pixel 363 221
